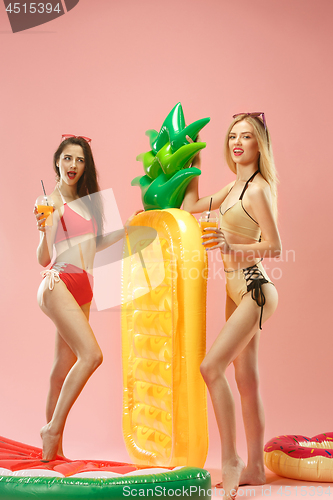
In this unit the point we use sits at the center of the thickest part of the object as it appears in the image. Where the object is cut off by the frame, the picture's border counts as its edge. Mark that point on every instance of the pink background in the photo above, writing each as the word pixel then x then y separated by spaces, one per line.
pixel 111 70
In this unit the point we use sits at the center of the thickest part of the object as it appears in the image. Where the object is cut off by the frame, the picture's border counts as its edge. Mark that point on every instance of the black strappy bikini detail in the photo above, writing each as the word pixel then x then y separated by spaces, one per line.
pixel 247 183
pixel 254 281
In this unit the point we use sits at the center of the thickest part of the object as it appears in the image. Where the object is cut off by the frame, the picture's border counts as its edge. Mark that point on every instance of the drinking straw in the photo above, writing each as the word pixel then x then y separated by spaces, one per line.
pixel 44 192
pixel 210 206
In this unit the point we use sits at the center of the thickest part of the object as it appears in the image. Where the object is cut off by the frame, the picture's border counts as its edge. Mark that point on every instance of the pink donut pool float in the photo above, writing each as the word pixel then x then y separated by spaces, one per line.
pixel 300 457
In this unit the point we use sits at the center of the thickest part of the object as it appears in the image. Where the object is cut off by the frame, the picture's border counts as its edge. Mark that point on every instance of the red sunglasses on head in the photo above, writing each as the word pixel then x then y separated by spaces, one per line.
pixel 68 136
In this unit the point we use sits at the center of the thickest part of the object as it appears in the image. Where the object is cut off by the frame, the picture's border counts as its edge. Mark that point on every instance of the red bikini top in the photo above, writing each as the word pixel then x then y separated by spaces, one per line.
pixel 73 224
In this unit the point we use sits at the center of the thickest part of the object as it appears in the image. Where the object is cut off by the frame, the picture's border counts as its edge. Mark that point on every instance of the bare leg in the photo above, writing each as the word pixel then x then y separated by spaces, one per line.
pixel 64 359
pixel 229 310
pixel 247 378
pixel 234 337
pixel 73 326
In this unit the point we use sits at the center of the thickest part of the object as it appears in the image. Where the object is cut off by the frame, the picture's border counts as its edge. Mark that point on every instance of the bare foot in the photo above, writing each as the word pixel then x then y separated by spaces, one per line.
pixel 231 473
pixel 253 476
pixel 60 451
pixel 50 442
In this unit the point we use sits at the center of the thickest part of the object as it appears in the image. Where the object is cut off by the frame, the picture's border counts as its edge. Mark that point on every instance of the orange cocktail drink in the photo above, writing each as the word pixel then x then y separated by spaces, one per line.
pixel 208 220
pixel 47 210
pixel 45 206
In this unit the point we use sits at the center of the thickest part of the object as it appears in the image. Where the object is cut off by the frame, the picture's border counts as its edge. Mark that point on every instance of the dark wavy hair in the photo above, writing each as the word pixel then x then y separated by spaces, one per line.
pixel 87 184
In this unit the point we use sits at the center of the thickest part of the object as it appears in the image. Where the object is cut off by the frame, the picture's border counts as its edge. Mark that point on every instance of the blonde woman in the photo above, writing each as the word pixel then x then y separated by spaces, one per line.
pixel 247 233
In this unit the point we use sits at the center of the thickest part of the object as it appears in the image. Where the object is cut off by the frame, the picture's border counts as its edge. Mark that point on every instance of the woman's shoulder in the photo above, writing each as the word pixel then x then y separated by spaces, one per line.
pixel 55 197
pixel 258 188
pixel 220 196
pixel 225 190
pixel 230 185
pixel 57 201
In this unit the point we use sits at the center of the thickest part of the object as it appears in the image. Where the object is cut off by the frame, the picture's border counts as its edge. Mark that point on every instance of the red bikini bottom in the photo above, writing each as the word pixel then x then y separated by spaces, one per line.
pixel 77 280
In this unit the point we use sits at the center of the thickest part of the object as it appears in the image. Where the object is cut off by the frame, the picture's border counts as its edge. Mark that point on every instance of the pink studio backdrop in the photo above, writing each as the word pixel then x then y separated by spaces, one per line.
pixel 111 70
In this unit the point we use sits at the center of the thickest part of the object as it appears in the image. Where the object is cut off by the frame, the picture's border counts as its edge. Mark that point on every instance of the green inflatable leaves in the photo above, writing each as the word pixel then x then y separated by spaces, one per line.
pixel 167 164
pixel 164 192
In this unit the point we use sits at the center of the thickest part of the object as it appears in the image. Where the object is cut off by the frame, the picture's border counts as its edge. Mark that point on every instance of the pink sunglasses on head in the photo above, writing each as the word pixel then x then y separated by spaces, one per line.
pixel 68 136
pixel 255 115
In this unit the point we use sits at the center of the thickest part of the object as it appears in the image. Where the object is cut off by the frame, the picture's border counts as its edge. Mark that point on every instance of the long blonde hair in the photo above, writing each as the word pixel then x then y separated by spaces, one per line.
pixel 266 161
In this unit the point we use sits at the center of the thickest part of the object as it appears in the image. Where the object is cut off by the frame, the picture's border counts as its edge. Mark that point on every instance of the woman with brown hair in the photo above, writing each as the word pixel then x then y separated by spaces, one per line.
pixel 65 293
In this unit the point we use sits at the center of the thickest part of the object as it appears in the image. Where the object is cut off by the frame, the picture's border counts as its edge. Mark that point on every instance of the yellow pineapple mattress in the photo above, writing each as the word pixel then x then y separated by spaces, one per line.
pixel 163 338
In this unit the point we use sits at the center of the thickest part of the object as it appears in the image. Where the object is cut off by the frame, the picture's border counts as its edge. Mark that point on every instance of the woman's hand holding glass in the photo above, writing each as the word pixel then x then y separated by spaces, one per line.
pixel 211 234
pixel 214 238
pixel 40 218
pixel 43 211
